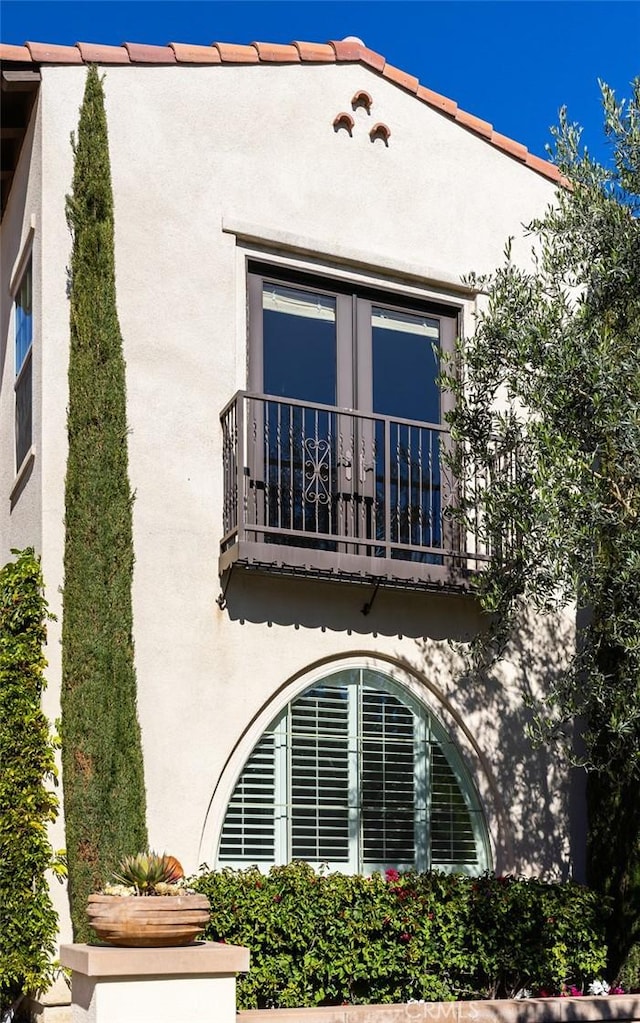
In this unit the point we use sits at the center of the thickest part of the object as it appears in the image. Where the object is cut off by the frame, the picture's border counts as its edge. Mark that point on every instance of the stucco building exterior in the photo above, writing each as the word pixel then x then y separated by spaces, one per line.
pixel 291 228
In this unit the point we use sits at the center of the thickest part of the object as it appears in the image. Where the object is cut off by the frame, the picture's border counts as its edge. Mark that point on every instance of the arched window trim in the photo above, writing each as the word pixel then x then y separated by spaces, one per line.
pixel 422 698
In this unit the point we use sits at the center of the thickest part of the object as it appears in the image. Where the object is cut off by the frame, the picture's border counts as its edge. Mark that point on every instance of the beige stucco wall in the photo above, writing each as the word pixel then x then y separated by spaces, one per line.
pixel 211 165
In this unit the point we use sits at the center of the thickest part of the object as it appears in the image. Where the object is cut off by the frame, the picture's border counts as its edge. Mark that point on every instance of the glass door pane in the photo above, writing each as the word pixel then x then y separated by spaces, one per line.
pixel 299 344
pixel 299 353
pixel 405 367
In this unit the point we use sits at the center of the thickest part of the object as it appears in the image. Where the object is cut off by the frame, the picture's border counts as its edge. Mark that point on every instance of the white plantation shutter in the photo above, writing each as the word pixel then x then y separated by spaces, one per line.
pixel 387 780
pixel 249 827
pixel 355 774
pixel 453 842
pixel 319 757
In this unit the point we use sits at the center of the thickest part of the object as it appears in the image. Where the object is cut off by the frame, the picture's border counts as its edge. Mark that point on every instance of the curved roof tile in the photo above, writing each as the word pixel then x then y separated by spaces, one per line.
pixel 96 53
pixel 277 53
pixel 189 54
pixel 141 53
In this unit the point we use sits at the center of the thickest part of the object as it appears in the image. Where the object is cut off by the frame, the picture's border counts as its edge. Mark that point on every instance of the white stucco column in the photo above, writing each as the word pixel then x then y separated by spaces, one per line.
pixel 154 985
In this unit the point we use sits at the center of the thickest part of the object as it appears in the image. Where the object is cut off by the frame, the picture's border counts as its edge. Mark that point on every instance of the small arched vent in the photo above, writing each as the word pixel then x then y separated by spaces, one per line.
pixel 380 131
pixel 345 121
pixel 362 100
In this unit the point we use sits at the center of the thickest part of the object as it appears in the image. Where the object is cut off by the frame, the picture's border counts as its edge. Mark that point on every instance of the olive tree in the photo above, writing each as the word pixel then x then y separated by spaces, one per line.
pixel 547 423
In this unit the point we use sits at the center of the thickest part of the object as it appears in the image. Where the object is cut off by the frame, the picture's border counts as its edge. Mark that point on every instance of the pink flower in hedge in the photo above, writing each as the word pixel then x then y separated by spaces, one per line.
pixel 571 992
pixel 616 991
pixel 402 893
pixel 405 937
pixel 391 874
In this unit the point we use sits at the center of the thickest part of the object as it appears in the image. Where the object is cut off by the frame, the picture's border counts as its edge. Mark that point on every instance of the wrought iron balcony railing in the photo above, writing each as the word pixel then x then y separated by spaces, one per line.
pixel 326 491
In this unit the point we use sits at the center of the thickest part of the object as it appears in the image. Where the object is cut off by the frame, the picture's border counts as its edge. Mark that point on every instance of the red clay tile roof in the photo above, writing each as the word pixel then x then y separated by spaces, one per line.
pixel 341 51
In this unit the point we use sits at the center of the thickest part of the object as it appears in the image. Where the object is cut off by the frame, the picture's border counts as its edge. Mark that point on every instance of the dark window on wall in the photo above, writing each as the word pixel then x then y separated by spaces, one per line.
pixel 326 341
pixel 23 366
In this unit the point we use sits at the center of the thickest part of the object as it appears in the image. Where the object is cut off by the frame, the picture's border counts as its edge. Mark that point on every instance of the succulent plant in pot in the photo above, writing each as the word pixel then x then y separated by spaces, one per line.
pixel 148 874
pixel 148 904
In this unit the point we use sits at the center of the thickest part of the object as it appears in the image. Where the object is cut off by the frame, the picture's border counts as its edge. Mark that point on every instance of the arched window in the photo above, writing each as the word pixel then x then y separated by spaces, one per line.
pixel 356 774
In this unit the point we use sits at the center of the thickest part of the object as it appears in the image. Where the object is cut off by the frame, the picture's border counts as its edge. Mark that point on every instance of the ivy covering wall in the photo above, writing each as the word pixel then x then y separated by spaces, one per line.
pixel 29 922
pixel 104 797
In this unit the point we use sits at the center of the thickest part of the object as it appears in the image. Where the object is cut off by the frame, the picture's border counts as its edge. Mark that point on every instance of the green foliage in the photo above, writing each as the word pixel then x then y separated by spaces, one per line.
pixel 547 417
pixel 630 972
pixel 325 939
pixel 104 798
pixel 29 923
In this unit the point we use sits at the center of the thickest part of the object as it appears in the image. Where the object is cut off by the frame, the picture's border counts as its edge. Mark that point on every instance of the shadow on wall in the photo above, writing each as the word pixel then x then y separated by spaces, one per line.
pixel 544 796
pixel 341 607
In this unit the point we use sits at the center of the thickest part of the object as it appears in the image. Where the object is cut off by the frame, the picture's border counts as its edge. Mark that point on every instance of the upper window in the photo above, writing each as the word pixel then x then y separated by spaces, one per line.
pixel 349 347
pixel 355 774
pixel 23 365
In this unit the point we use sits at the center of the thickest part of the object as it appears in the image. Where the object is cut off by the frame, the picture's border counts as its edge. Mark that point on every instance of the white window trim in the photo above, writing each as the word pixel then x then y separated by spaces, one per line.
pixel 251 234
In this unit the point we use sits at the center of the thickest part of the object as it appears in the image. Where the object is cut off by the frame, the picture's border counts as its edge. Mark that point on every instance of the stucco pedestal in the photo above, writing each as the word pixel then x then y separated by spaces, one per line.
pixel 154 985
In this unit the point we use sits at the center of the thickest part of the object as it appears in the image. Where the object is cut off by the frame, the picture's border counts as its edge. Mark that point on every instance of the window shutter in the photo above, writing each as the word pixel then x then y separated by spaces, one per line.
pixel 452 837
pixel 387 779
pixel 249 826
pixel 320 775
pixel 352 775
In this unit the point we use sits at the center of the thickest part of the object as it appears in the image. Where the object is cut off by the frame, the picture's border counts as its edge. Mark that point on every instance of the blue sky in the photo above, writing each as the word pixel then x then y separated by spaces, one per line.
pixel 511 62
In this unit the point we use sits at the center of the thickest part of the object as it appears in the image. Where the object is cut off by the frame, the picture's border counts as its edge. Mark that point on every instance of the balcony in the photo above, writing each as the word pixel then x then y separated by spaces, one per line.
pixel 327 492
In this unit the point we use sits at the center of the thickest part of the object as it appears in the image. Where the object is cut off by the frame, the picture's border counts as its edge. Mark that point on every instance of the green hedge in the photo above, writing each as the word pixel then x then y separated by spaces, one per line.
pixel 29 923
pixel 326 939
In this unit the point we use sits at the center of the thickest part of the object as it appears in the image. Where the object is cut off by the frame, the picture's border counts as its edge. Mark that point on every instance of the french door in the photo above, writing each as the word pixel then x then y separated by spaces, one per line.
pixel 351 417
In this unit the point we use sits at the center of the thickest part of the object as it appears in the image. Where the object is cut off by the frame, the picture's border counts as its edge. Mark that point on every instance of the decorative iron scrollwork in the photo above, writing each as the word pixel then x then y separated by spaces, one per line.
pixel 317 471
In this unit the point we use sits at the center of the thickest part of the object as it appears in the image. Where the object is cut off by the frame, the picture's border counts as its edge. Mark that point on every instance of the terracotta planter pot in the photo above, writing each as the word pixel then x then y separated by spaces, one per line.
pixel 148 921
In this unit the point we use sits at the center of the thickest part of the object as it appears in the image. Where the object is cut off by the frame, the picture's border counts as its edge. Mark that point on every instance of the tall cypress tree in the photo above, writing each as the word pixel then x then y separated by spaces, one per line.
pixel 104 797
